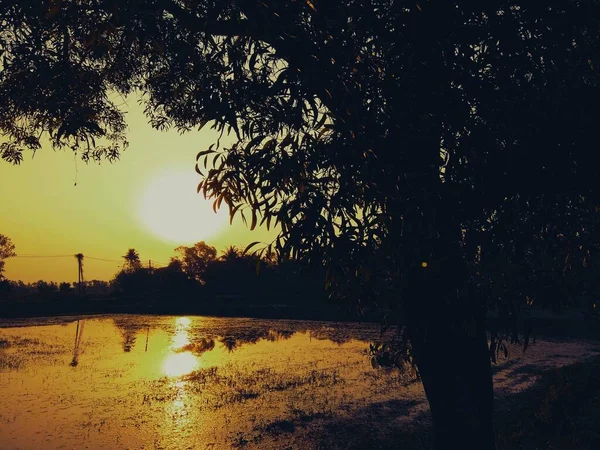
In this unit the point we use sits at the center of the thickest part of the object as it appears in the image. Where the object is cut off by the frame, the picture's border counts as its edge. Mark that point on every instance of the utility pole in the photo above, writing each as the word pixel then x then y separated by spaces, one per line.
pixel 79 257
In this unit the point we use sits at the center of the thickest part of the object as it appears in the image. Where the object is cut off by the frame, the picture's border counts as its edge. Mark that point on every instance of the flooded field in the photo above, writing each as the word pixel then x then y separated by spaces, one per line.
pixel 195 382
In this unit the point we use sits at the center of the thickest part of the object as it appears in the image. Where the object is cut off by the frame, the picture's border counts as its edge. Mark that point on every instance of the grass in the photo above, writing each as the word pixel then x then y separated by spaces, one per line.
pixel 223 386
pixel 561 411
pixel 17 352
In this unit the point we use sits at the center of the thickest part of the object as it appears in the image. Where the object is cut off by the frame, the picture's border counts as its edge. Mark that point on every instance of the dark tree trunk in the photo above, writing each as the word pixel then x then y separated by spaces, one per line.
pixel 455 370
pixel 445 319
pixel 446 325
pixel 446 322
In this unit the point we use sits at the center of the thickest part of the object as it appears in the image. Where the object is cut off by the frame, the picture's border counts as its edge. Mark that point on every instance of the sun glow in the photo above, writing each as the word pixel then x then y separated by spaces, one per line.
pixel 170 208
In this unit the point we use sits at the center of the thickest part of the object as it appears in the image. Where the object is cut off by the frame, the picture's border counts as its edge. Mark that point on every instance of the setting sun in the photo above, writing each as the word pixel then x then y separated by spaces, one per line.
pixel 170 208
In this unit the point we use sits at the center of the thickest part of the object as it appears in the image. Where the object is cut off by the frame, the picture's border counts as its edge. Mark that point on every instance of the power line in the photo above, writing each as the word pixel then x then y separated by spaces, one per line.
pixel 156 263
pixel 102 259
pixel 43 256
pixel 162 263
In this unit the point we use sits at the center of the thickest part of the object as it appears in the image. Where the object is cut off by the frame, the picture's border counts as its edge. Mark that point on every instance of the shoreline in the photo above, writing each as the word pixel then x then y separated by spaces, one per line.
pixel 257 312
pixel 572 324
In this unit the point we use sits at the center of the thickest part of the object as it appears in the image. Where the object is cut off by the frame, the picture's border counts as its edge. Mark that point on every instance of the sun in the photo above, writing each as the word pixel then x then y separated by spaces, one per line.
pixel 171 209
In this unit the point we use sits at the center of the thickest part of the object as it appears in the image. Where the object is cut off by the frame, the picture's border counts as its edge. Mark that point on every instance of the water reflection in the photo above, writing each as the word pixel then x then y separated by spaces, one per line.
pixel 201 346
pixel 201 382
pixel 200 335
pixel 128 342
pixel 229 342
pixel 129 328
pixel 182 333
pixel 181 360
pixel 78 335
pixel 147 337
pixel 178 364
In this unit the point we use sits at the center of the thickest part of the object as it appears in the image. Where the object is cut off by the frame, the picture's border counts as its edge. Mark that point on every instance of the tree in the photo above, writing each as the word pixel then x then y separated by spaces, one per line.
pixel 65 288
pixel 132 279
pixel 195 259
pixel 138 283
pixel 175 265
pixel 173 283
pixel 391 141
pixel 231 254
pixel 45 288
pixel 132 260
pixel 7 250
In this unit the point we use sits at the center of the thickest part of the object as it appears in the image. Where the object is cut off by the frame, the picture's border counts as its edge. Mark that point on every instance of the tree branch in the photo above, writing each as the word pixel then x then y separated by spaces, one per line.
pixel 315 71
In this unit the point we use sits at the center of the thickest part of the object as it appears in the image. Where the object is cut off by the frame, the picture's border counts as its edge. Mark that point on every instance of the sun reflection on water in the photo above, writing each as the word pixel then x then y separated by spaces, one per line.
pixel 183 322
pixel 180 339
pixel 178 362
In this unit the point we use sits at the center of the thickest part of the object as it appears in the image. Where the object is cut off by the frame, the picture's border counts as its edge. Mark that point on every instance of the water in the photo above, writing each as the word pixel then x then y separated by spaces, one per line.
pixel 168 382
pixel 187 382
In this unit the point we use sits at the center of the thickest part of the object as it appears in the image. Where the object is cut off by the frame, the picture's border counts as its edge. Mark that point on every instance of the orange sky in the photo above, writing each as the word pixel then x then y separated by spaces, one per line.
pixel 146 200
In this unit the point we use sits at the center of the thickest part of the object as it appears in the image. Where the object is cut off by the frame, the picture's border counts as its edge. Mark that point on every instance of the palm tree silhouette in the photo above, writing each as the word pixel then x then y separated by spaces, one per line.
pixel 132 260
pixel 231 253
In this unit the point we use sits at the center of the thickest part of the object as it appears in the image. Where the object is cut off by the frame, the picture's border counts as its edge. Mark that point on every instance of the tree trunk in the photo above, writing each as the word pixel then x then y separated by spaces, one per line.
pixel 455 370
pixel 446 326
pixel 445 322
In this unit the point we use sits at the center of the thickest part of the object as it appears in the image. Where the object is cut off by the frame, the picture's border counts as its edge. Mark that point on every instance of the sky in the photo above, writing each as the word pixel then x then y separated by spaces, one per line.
pixel 54 205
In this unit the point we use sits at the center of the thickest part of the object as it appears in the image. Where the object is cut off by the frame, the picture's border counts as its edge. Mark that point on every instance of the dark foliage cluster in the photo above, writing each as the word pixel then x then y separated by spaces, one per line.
pixel 353 120
pixel 198 276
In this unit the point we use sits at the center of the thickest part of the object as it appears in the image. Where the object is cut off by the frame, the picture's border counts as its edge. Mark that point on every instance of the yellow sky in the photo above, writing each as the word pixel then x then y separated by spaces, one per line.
pixel 136 202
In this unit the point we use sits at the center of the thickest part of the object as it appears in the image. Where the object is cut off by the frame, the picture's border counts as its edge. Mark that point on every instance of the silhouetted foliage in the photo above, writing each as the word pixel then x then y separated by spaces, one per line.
pixel 7 250
pixel 5 287
pixel 44 287
pixel 132 260
pixel 65 288
pixel 231 253
pixel 133 283
pixel 196 258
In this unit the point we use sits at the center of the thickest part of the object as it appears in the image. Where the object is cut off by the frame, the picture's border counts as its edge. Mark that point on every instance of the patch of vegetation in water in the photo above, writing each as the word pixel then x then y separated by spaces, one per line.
pixel 222 386
pixel 10 361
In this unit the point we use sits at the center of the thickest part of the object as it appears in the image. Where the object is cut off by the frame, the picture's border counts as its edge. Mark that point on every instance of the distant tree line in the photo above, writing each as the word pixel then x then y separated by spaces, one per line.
pixel 199 274
pixel 197 277
pixel 53 289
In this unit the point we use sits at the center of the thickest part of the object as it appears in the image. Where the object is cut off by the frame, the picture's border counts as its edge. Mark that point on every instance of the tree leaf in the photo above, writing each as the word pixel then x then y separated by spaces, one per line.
pixel 249 246
pixel 203 153
pixel 232 213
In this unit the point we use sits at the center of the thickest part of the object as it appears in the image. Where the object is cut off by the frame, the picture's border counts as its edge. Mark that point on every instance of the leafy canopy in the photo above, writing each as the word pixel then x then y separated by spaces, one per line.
pixel 132 260
pixel 362 128
pixel 7 250
pixel 195 259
